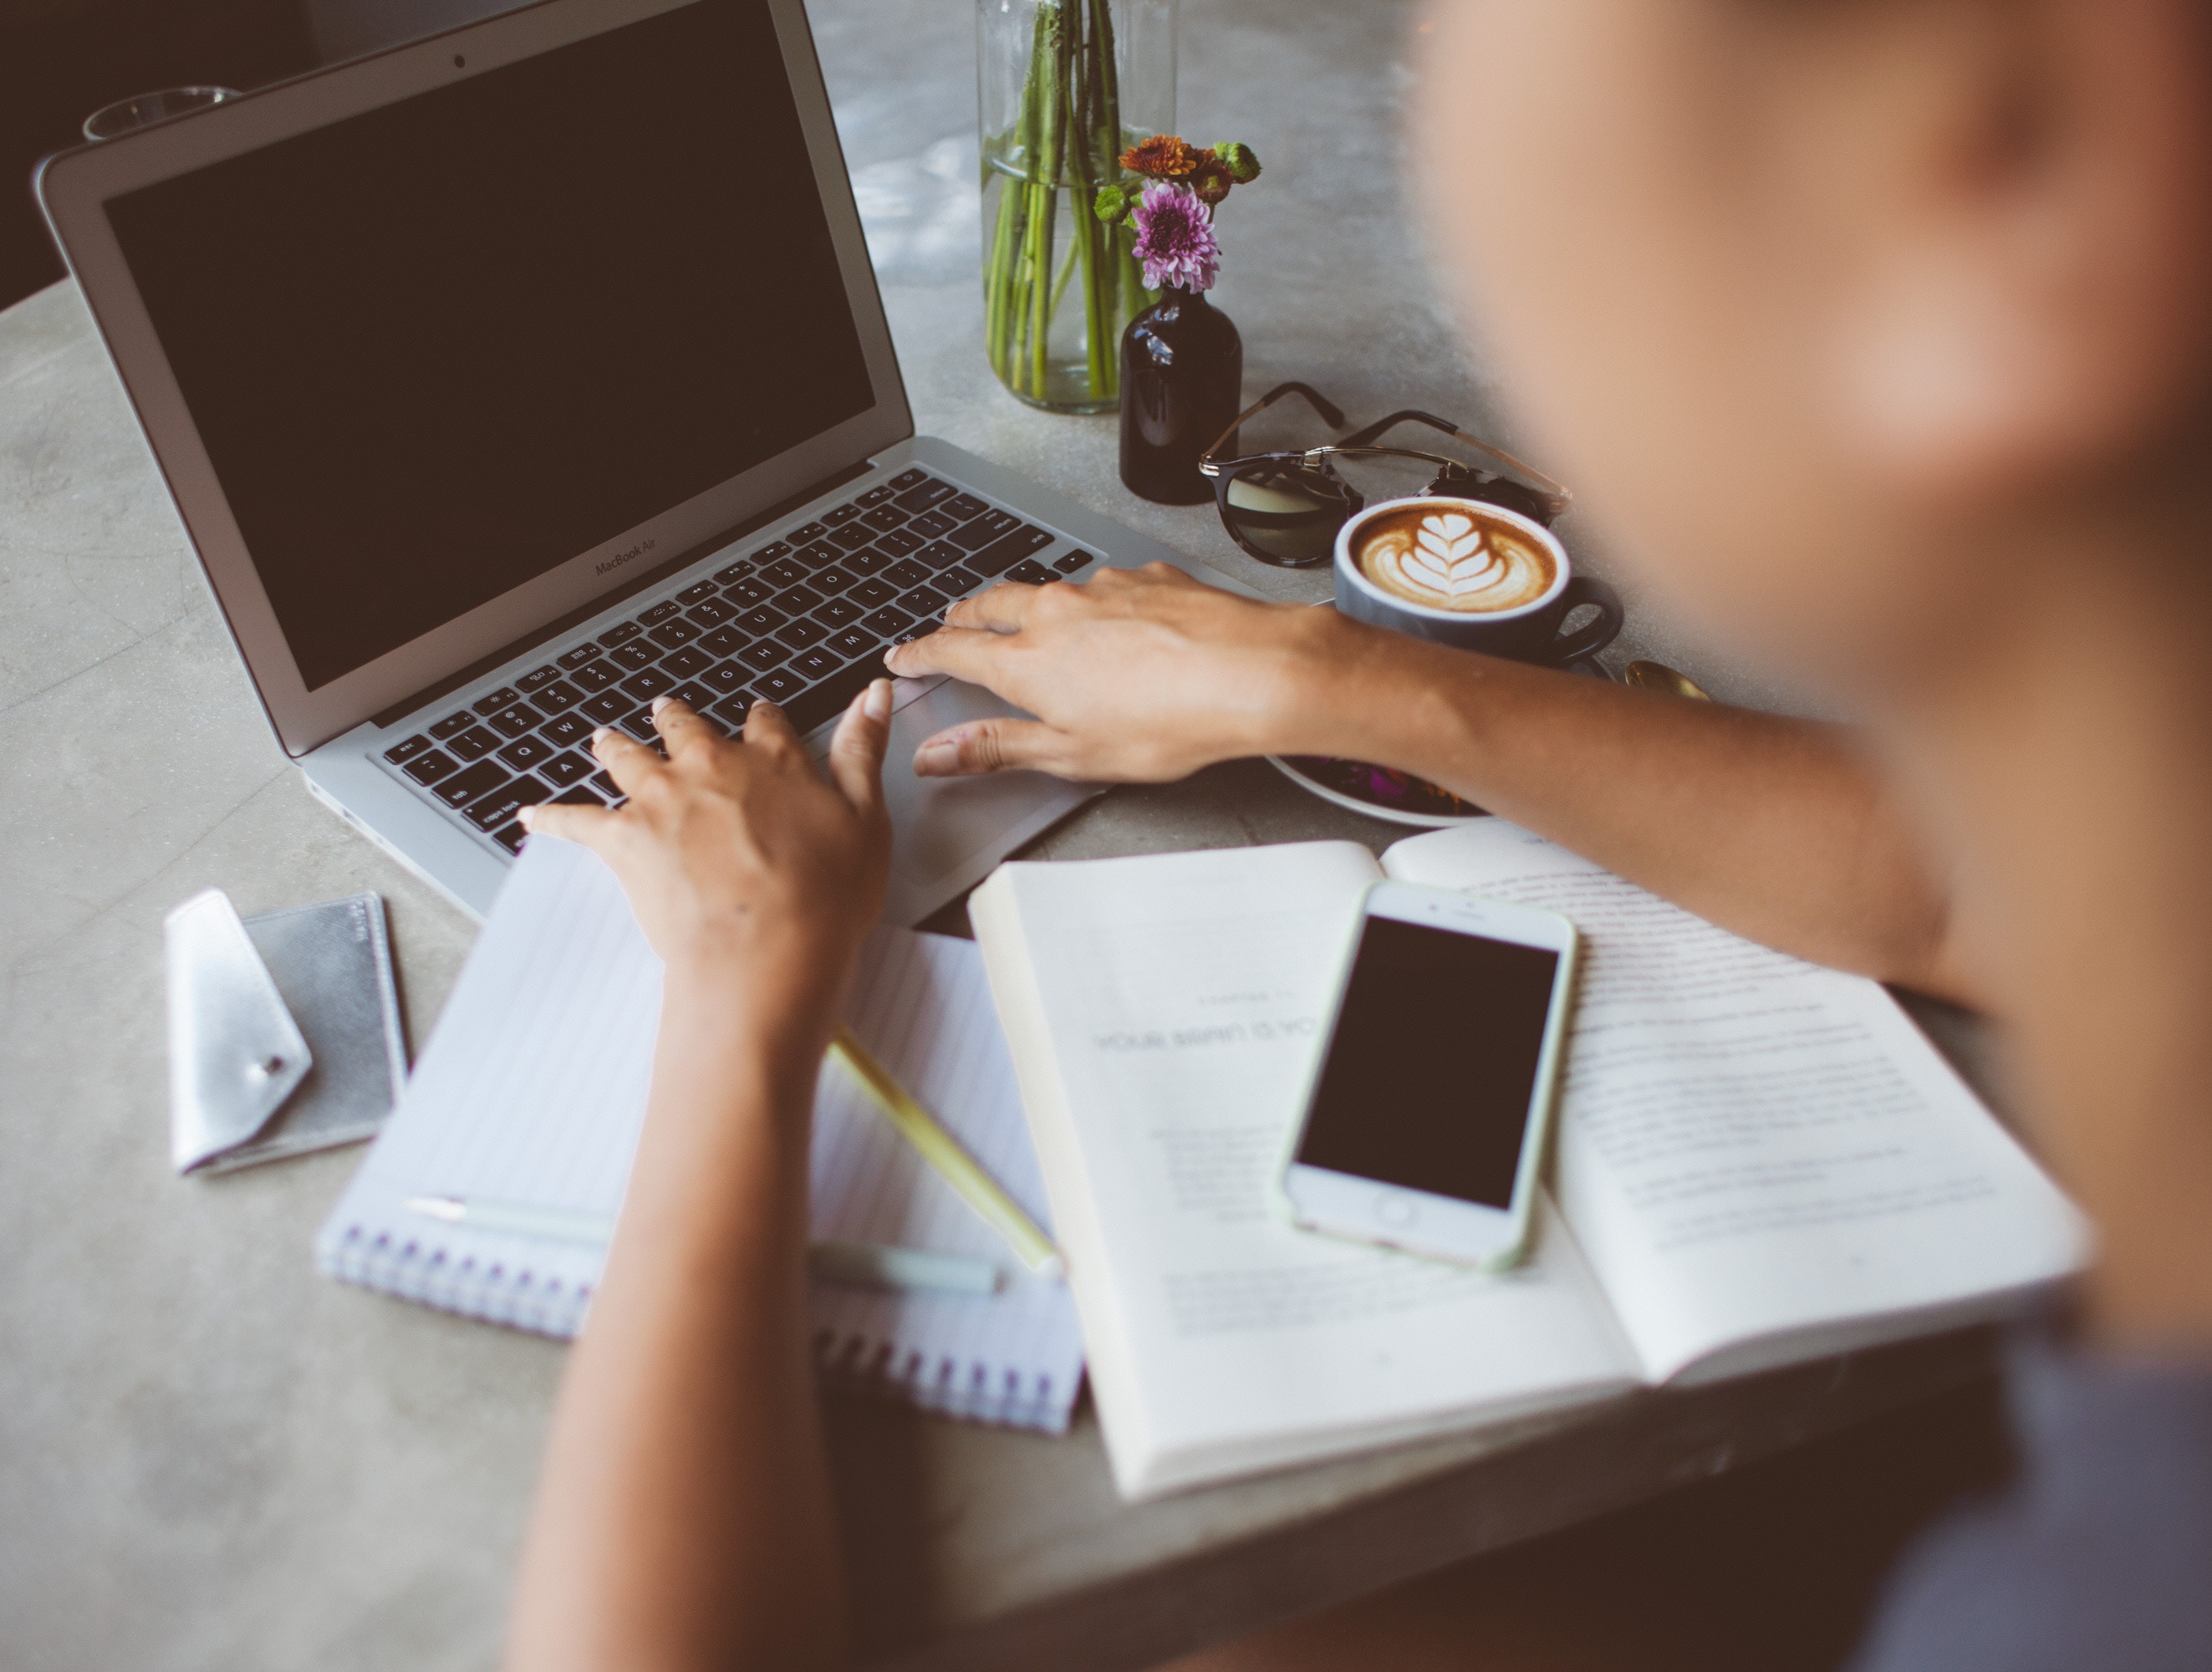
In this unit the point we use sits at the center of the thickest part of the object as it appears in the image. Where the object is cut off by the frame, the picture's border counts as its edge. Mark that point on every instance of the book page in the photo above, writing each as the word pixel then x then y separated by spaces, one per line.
pixel 1762 1158
pixel 1179 999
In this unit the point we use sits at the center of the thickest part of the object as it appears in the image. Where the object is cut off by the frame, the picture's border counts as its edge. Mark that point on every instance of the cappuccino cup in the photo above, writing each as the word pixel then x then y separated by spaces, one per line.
pixel 1471 575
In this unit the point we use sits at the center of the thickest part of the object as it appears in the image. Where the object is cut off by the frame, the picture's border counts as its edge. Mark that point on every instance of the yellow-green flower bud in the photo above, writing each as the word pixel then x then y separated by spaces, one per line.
pixel 1243 166
pixel 1113 204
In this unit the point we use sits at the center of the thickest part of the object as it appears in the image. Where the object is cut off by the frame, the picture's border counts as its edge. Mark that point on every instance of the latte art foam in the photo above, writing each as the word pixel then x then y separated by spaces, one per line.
pixel 1448 558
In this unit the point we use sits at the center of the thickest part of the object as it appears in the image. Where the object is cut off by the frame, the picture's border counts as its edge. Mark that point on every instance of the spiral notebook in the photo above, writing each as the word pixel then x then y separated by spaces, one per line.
pixel 533 1089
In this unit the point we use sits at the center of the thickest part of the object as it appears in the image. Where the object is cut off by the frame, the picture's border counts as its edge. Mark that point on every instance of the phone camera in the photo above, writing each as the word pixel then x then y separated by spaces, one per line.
pixel 460 62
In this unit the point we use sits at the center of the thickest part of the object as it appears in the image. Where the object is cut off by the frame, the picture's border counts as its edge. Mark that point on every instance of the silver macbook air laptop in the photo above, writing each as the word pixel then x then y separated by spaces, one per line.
pixel 509 378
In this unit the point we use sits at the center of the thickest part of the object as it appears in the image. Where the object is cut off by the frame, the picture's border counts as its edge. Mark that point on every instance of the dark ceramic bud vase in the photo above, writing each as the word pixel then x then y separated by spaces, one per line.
pixel 1183 368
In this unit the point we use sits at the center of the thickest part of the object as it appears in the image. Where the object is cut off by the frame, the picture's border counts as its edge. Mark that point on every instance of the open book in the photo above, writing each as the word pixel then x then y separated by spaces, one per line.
pixel 1758 1160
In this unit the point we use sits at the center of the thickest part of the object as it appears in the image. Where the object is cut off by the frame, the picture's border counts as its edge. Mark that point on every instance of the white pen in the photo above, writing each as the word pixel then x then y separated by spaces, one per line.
pixel 850 1265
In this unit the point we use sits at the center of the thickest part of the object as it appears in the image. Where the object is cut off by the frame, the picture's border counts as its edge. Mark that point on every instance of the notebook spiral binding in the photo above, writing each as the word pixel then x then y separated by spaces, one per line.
pixel 852 1361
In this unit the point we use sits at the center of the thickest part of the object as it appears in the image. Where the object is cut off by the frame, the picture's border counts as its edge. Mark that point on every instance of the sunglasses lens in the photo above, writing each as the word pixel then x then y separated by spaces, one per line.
pixel 1288 514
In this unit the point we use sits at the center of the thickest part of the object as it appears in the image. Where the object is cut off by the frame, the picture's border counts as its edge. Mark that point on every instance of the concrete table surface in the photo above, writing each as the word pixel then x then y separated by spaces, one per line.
pixel 212 1458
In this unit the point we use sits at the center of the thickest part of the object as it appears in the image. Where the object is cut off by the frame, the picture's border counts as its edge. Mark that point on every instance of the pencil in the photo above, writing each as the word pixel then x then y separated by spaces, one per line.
pixel 943 1152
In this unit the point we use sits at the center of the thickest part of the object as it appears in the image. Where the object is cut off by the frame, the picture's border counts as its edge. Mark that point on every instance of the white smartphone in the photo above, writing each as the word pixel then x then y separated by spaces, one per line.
pixel 1427 1108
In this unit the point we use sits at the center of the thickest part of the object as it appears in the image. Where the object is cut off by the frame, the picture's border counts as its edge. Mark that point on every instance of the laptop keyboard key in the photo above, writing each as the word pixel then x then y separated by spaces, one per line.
pixel 723 641
pixel 604 783
pixel 556 696
pixel 1002 554
pixel 806 532
pixel 832 579
pixel 764 654
pixel 496 809
pixel 872 593
pixel 564 731
pixel 868 562
pixel 731 711
pixel 900 542
pixel 526 752
pixel 451 724
pixel 474 744
pixel 802 633
pixel 641 726
pixel 514 721
pixel 1073 561
pixel 877 495
pixel 795 600
pixel 819 554
pixel 827 700
pixel 632 657
pixel 596 676
pixel 573 660
pixel 511 837
pixel 772 550
pixel 489 706
pixel 884 518
pixel 687 661
pixel 840 516
pixel 643 687
pixel 1030 574
pixel 577 795
pixel 464 786
pixel 920 629
pixel 923 602
pixel 694 695
pixel 779 686
pixel 713 613
pixel 852 641
pixel 659 612
pixel 908 479
pixel 852 537
pixel 761 620
pixel 724 677
pixel 751 591
pixel 407 749
pixel 428 769
pixel 887 622
pixel 784 572
pixel 958 583
pixel 621 633
pixel 940 555
pixel 839 612
pixel 923 495
pixel 735 573
pixel 538 678
pixel 674 634
pixel 566 768
pixel 693 593
pixel 815 663
pixel 932 525
pixel 905 572
pixel 960 507
pixel 607 707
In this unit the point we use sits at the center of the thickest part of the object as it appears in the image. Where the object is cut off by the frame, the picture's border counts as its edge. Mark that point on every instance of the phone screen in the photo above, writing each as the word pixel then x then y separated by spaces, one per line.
pixel 1429 1074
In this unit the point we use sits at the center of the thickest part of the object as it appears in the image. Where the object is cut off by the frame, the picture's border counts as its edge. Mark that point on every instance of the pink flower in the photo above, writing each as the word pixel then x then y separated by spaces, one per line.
pixel 1175 238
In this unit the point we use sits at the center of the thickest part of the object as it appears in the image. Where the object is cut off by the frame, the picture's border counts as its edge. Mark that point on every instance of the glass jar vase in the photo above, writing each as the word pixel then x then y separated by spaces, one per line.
pixel 1063 87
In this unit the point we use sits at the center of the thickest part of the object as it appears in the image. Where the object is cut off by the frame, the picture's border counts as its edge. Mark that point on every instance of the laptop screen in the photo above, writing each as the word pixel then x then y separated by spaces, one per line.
pixel 437 349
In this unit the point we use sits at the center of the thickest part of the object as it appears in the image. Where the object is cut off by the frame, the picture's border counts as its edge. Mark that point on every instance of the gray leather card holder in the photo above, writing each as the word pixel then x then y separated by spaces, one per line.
pixel 284 1030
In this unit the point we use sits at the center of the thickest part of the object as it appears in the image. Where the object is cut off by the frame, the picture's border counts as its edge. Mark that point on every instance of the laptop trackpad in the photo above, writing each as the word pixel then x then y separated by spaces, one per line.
pixel 938 824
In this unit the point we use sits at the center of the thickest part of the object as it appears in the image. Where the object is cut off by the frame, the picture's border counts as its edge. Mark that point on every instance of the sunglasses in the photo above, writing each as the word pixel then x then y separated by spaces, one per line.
pixel 1284 508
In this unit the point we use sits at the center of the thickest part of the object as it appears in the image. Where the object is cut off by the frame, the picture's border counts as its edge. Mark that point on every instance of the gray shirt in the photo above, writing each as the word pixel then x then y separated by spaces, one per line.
pixel 2096 1556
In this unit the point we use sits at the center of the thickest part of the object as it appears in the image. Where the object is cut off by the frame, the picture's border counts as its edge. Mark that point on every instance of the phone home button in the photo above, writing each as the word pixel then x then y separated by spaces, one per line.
pixel 1397 1210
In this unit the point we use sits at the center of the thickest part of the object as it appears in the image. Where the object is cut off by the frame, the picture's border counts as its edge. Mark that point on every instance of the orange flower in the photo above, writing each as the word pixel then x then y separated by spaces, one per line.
pixel 1162 157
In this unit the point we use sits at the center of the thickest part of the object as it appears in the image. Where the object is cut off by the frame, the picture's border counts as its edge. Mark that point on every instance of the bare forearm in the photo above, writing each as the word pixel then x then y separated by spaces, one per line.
pixel 684 1517
pixel 1775 828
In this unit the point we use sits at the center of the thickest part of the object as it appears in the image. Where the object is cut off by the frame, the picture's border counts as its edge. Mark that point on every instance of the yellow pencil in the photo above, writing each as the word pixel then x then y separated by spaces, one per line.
pixel 943 1152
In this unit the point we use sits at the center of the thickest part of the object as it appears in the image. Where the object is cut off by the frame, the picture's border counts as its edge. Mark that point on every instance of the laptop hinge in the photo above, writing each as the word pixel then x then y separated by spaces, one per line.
pixel 629 589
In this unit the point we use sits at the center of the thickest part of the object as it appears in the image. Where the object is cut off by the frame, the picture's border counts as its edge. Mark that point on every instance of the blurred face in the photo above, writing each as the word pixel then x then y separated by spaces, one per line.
pixel 1796 300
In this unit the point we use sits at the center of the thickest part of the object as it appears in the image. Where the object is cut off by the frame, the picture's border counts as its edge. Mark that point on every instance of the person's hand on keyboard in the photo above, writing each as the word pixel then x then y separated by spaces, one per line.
pixel 747 870
pixel 1135 676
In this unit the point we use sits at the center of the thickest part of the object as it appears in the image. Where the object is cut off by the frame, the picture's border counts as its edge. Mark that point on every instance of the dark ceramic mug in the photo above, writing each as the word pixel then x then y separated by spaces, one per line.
pixel 1529 632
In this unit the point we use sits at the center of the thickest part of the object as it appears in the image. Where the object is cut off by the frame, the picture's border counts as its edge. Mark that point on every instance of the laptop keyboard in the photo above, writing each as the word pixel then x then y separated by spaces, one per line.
pixel 802 621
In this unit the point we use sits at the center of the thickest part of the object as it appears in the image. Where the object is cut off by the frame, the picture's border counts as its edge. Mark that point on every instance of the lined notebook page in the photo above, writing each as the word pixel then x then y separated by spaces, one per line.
pixel 533 1089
